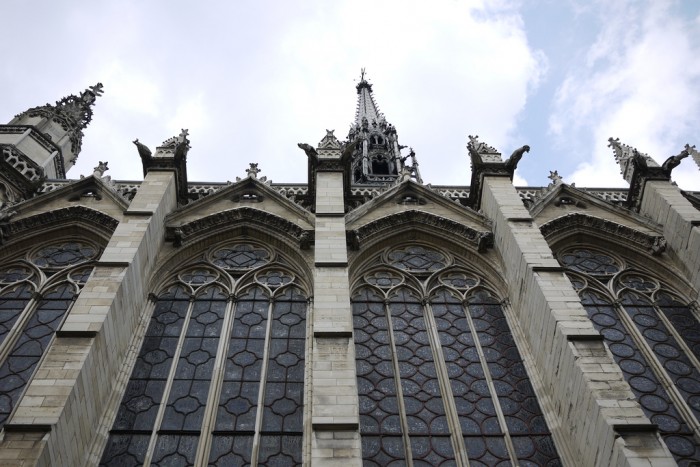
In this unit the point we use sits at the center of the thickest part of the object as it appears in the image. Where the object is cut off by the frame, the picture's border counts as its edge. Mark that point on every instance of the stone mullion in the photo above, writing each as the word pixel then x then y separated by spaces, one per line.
pixel 120 385
pixel 456 435
pixel 399 389
pixel 168 386
pixel 679 339
pixel 308 372
pixel 263 384
pixel 658 369
pixel 543 395
pixel 16 330
pixel 209 417
pixel 489 383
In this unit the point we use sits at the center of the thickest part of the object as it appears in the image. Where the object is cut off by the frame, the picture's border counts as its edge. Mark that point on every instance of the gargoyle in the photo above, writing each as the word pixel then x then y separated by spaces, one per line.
pixel 512 162
pixel 144 152
pixel 673 161
pixel 309 150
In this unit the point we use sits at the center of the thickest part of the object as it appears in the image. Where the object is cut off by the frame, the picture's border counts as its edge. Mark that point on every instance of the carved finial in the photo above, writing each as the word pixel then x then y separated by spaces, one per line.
pixel 555 177
pixel 253 170
pixel 100 169
pixel 362 74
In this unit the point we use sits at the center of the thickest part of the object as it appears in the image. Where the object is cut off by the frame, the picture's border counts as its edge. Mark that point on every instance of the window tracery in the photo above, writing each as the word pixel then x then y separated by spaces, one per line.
pixel 439 375
pixel 36 293
pixel 219 378
pixel 654 337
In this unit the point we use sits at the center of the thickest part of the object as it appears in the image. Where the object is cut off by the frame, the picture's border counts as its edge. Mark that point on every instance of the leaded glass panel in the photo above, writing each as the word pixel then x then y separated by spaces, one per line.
pixel 653 337
pixel 405 393
pixel 220 374
pixel 32 309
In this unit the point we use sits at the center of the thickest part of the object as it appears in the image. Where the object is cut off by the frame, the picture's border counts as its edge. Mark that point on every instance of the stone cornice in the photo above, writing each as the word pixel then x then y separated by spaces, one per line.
pixel 436 224
pixel 578 222
pixel 181 234
pixel 67 215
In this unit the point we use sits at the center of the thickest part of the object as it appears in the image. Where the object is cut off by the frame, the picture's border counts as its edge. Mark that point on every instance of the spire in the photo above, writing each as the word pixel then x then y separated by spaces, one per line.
pixel 367 112
pixel 377 156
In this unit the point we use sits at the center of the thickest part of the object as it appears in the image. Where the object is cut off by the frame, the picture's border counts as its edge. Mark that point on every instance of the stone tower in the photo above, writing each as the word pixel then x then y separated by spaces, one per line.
pixel 43 143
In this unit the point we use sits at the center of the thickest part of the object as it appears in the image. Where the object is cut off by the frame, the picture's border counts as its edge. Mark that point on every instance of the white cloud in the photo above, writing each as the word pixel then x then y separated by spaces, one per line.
pixel 639 84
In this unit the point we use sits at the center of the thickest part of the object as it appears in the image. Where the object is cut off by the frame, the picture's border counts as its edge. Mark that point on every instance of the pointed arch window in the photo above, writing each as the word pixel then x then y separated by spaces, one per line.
pixel 653 335
pixel 440 379
pixel 219 379
pixel 36 292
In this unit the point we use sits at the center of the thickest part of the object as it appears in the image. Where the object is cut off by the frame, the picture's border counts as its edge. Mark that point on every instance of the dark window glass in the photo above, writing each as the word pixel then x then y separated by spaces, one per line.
pixel 177 374
pixel 19 366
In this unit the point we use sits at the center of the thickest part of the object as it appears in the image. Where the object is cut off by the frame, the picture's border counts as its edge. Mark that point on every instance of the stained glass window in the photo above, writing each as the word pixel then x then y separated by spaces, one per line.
pixel 219 380
pixel 436 346
pixel 33 304
pixel 653 336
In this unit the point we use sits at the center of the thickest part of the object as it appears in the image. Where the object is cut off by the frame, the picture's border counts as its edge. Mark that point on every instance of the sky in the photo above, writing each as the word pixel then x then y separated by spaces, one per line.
pixel 250 79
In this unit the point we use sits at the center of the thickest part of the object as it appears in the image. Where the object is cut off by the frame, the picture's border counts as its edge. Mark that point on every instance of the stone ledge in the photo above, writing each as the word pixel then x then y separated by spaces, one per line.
pixel 331 264
pixel 85 334
pixel 584 337
pixel 27 428
pixel 520 219
pixel 548 269
pixel 330 426
pixel 138 213
pixel 635 428
pixel 333 333
pixel 113 264
pixel 329 214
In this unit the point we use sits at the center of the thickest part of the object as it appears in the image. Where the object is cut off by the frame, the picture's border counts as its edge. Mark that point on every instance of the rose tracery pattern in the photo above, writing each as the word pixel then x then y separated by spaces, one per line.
pixel 242 256
pixel 590 262
pixel 63 255
pixel 225 367
pixel 417 259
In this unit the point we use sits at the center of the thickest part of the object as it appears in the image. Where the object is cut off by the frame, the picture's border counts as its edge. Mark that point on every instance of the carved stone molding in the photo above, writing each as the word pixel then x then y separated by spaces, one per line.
pixel 439 225
pixel 181 234
pixel 69 216
pixel 556 228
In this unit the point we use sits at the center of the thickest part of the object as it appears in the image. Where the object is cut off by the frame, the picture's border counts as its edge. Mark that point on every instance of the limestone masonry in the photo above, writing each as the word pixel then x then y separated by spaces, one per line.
pixel 362 318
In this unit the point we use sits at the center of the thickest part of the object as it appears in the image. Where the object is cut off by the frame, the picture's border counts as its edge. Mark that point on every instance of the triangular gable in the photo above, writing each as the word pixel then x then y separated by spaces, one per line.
pixel 563 199
pixel 246 193
pixel 411 196
pixel 91 192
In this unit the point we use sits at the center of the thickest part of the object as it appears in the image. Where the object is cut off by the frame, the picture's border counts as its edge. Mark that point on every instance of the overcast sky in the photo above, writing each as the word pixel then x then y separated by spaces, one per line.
pixel 251 79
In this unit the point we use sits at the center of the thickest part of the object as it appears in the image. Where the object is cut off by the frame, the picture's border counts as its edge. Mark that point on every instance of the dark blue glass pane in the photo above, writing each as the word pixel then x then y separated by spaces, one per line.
pixel 125 451
pixel 175 451
pixel 227 451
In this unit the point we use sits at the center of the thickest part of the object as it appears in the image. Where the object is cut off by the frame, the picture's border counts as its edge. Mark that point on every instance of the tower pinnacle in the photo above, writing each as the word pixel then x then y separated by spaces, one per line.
pixel 63 123
pixel 377 157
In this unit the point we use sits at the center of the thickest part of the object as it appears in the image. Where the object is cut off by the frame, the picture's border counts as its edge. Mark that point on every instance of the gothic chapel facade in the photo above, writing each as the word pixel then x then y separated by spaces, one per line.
pixel 361 318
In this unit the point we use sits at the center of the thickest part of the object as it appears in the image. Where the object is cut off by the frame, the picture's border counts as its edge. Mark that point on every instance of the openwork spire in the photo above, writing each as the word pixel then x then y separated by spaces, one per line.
pixel 376 158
